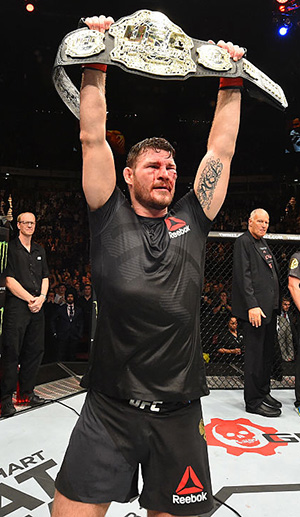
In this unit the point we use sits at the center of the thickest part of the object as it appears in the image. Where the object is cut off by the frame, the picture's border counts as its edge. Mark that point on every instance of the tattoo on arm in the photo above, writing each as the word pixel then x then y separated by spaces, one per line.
pixel 208 181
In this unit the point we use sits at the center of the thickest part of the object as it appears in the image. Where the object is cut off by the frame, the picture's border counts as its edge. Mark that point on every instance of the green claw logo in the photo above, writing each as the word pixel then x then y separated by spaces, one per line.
pixel 3 255
pixel 1 319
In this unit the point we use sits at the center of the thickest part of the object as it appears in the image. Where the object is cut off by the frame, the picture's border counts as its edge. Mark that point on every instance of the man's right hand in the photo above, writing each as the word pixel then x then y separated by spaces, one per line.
pixel 99 23
pixel 255 316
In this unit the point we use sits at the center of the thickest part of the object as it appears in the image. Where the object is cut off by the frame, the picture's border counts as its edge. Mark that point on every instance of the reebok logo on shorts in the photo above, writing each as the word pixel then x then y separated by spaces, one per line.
pixel 176 227
pixel 191 485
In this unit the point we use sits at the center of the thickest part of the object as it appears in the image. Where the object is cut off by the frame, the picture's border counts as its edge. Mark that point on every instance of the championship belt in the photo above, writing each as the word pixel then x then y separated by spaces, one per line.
pixel 147 43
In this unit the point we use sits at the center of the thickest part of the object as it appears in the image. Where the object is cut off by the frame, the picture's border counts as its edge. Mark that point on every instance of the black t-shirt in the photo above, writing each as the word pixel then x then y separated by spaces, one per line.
pixel 28 268
pixel 230 341
pixel 148 275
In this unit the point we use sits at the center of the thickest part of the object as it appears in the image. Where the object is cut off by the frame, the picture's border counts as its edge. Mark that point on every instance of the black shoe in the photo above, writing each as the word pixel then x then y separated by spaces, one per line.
pixel 270 401
pixel 264 410
pixel 35 400
pixel 8 409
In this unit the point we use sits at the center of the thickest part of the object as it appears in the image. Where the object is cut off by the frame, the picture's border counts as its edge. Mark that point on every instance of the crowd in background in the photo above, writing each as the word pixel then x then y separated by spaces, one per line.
pixel 62 222
pixel 62 229
pixel 68 334
pixel 282 219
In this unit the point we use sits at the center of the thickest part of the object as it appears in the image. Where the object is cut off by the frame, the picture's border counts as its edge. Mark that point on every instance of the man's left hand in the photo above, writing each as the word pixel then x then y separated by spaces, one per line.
pixel 235 52
pixel 37 304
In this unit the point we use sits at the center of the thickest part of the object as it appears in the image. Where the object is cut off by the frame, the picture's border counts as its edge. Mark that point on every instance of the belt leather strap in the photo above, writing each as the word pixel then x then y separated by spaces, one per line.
pixel 147 43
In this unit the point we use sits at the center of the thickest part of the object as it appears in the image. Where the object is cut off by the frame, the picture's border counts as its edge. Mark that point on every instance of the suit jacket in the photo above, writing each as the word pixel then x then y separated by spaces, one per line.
pixel 63 327
pixel 253 279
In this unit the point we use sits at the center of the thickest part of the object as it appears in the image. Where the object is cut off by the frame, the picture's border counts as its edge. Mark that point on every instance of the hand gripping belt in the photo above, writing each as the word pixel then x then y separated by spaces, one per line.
pixel 147 43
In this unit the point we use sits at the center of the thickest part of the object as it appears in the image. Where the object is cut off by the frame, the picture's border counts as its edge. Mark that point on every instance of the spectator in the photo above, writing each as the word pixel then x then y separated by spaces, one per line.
pixel 231 340
pixel 289 221
pixel 215 293
pixel 53 280
pixel 222 310
pixel 67 328
pixel 77 287
pixel 285 331
pixel 60 297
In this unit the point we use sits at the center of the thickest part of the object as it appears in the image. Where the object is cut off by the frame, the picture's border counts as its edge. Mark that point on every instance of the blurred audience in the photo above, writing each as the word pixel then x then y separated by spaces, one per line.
pixel 50 308
pixel 85 302
pixel 286 332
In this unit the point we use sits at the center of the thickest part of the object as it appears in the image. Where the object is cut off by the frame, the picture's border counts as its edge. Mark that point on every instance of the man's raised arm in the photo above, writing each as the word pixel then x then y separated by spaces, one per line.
pixel 212 177
pixel 99 175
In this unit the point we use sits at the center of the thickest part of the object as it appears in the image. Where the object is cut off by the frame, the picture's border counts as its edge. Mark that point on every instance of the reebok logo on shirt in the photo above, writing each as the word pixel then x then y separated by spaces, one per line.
pixel 176 227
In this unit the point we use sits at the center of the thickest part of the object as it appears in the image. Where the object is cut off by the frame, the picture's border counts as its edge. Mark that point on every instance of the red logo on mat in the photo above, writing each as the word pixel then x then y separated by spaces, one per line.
pixel 174 224
pixel 239 436
pixel 189 477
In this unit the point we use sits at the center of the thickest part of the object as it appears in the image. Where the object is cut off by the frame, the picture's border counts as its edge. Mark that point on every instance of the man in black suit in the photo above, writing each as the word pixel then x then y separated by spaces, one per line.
pixel 67 328
pixel 255 300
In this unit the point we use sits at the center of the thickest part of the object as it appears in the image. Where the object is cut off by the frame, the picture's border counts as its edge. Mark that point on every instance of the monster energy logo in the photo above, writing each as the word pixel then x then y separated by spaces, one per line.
pixel 1 319
pixel 3 255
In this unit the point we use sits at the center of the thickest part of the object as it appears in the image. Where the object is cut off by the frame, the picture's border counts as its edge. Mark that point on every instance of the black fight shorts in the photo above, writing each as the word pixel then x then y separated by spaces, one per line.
pixel 112 438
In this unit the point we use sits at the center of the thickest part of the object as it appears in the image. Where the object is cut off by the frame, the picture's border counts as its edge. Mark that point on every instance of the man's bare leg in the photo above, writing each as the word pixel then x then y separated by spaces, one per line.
pixel 64 507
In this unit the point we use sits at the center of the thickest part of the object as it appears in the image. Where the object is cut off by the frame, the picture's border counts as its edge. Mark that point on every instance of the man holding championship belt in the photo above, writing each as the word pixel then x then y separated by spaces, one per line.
pixel 146 372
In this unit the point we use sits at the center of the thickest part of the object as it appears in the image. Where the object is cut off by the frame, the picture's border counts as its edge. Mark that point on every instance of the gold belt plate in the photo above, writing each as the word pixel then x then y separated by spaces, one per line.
pixel 149 42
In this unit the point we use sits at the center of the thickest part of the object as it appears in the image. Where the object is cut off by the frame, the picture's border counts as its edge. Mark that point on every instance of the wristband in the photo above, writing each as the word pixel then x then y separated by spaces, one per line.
pixel 95 66
pixel 43 295
pixel 231 83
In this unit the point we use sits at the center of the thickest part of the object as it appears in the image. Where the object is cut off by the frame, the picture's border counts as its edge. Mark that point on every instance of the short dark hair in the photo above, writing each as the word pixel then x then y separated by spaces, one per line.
pixel 155 143
pixel 230 318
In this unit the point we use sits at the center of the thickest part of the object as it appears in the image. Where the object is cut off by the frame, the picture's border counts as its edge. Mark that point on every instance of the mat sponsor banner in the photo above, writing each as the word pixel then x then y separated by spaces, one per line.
pixel 242 436
pixel 253 460
pixel 32 446
pixel 27 488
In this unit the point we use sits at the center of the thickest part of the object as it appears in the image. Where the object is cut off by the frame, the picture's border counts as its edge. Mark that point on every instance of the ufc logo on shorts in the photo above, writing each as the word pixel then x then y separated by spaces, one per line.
pixel 142 404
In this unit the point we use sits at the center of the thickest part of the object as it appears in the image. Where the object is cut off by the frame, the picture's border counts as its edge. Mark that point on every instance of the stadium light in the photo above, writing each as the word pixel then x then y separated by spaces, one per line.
pixel 283 30
pixel 30 6
pixel 285 6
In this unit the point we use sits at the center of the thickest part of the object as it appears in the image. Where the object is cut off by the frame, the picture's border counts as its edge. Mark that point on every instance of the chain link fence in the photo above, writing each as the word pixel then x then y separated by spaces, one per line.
pixel 223 352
